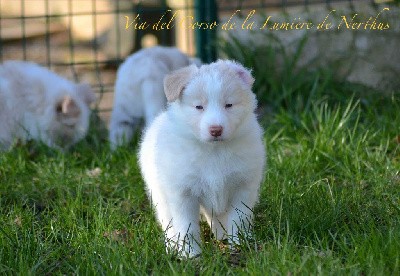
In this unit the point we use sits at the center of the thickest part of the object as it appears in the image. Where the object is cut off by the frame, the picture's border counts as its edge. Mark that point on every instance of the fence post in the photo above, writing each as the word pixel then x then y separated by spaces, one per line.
pixel 206 11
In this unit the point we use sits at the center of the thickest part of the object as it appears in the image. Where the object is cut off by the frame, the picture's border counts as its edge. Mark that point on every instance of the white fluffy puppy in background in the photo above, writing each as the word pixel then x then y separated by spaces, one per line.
pixel 139 91
pixel 204 154
pixel 38 104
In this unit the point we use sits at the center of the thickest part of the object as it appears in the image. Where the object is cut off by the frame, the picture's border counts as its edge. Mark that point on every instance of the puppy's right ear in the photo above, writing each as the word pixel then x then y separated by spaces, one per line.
pixel 176 82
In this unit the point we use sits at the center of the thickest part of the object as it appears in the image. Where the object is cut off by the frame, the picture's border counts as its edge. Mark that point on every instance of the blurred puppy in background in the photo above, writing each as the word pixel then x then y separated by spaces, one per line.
pixel 38 104
pixel 139 91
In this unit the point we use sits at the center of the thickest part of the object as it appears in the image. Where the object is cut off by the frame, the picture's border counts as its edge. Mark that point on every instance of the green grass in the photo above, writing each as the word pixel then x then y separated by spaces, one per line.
pixel 330 202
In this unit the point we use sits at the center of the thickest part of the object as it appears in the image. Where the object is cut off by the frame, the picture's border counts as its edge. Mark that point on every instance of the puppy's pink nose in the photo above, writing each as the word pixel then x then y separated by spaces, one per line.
pixel 215 131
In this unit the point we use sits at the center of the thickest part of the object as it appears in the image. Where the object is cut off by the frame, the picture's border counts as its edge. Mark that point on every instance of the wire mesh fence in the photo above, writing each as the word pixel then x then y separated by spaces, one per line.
pixel 276 4
pixel 86 40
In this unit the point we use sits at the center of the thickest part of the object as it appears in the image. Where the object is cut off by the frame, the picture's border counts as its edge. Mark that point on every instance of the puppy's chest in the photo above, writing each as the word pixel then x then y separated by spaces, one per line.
pixel 217 179
pixel 216 192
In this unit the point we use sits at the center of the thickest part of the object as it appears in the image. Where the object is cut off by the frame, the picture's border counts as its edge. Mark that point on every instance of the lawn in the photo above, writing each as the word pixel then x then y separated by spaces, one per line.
pixel 329 204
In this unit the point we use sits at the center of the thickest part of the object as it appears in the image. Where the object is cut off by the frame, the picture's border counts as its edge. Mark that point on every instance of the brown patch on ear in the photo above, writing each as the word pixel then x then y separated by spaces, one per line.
pixel 68 107
pixel 176 82
pixel 86 93
pixel 243 73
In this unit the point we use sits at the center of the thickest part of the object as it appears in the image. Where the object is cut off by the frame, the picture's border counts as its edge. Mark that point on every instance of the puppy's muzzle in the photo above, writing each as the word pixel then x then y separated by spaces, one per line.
pixel 215 131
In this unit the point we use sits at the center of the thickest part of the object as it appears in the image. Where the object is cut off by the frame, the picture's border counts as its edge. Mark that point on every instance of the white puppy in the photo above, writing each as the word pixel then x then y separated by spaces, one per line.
pixel 139 89
pixel 204 154
pixel 37 104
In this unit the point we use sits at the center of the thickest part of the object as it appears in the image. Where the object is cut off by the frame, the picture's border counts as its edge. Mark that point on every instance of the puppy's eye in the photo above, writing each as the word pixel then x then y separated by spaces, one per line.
pixel 228 105
pixel 59 108
pixel 199 107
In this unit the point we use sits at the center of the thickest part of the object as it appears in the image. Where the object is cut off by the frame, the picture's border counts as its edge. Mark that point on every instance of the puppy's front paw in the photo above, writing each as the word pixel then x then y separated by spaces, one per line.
pixel 187 248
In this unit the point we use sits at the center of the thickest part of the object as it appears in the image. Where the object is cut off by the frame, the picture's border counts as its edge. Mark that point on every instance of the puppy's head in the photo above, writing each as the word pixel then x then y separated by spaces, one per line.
pixel 68 115
pixel 212 101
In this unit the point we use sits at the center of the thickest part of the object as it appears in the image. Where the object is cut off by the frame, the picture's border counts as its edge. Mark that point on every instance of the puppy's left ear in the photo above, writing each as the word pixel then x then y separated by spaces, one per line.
pixel 86 93
pixel 175 83
pixel 243 73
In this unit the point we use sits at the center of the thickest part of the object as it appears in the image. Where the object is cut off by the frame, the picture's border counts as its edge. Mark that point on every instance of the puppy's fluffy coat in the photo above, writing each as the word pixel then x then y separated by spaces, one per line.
pixel 37 104
pixel 139 89
pixel 204 154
